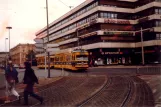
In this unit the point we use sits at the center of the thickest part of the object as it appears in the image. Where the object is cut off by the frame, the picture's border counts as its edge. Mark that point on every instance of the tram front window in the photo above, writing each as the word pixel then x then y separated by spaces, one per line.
pixel 82 58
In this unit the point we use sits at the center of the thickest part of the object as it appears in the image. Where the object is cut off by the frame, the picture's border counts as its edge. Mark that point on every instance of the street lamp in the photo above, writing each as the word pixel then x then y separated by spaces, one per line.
pixel 9 37
pixel 47 19
pixel 142 47
pixel 6 44
pixel 6 52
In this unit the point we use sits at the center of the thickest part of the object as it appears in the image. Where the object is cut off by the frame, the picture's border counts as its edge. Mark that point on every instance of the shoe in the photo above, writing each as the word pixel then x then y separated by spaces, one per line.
pixel 41 101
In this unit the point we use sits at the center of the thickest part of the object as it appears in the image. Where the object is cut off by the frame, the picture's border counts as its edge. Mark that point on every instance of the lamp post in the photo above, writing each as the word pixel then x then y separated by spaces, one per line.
pixel 6 52
pixel 48 37
pixel 142 47
pixel 9 37
pixel 6 44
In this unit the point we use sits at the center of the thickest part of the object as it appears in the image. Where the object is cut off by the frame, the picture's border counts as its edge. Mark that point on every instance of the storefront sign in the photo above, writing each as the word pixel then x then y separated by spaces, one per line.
pixel 118 38
pixel 117 33
pixel 111 52
pixel 116 21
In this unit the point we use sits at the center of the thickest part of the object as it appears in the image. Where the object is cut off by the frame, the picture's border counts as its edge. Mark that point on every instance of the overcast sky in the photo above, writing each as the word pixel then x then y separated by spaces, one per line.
pixel 26 17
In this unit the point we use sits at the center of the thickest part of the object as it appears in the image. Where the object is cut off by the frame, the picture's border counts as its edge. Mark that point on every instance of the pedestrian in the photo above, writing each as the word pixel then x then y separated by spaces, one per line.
pixel 11 75
pixel 95 63
pixel 30 79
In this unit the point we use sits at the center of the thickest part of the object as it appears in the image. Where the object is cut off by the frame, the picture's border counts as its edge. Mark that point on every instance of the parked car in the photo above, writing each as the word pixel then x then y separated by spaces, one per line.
pixel 21 66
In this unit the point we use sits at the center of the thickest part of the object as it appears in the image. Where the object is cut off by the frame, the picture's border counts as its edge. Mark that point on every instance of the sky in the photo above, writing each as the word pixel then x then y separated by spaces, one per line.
pixel 26 17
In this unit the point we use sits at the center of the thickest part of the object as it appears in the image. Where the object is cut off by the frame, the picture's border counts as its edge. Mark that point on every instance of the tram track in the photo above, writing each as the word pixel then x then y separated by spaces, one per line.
pixel 112 94
pixel 85 91
pixel 95 95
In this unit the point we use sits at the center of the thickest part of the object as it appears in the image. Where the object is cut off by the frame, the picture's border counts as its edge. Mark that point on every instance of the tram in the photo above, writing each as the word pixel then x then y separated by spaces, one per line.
pixel 75 60
pixel 41 61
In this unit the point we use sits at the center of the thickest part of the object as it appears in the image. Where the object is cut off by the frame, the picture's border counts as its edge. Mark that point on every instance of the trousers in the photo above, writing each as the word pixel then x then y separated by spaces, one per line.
pixel 29 91
pixel 11 88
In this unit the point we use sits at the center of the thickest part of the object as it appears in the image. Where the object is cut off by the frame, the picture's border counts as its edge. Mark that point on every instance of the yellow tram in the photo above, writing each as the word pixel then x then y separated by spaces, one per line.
pixel 41 61
pixel 74 60
pixel 71 60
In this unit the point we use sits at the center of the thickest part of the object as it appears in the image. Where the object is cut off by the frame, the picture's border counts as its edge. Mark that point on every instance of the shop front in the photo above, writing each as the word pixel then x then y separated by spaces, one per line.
pixel 111 56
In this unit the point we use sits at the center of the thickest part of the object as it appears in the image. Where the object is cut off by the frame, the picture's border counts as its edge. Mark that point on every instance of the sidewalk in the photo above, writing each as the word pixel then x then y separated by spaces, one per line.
pixel 126 66
pixel 20 87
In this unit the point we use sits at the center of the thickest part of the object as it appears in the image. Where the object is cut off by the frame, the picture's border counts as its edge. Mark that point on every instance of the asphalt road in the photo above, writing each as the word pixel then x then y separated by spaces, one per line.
pixel 95 71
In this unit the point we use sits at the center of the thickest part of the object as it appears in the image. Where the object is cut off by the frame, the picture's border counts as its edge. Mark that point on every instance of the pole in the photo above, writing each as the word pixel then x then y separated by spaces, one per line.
pixel 48 38
pixel 9 41
pixel 9 37
pixel 45 61
pixel 6 52
pixel 142 48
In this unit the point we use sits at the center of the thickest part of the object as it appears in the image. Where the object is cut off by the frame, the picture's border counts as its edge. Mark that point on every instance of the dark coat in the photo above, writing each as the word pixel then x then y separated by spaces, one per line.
pixel 11 75
pixel 30 77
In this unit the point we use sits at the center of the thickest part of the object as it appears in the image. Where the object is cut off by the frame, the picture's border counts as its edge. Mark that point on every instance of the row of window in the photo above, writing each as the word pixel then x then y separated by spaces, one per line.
pixel 102 15
pixel 108 15
pixel 74 15
pixel 81 22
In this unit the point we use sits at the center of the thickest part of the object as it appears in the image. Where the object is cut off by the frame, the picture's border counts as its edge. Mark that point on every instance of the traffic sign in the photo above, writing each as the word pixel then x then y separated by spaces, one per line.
pixel 39 50
pixel 52 49
pixel 52 45
pixel 38 40
pixel 39 45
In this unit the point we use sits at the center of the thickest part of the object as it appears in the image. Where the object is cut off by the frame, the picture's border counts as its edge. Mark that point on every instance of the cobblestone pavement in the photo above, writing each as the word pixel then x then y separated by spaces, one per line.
pixel 100 91
pixel 154 81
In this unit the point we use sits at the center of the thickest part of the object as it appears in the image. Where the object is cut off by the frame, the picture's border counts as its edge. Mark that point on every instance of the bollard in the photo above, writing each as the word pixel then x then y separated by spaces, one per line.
pixel 62 72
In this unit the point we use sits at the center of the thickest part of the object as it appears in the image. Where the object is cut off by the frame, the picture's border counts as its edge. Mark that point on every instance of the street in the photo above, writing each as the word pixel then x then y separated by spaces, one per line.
pixel 100 87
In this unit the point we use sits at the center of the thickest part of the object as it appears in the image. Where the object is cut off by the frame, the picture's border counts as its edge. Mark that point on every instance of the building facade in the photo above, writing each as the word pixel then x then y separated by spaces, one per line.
pixel 19 52
pixel 113 31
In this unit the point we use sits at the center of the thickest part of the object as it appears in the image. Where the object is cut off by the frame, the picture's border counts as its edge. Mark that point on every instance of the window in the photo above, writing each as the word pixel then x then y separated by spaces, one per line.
pixel 158 36
pixel 158 23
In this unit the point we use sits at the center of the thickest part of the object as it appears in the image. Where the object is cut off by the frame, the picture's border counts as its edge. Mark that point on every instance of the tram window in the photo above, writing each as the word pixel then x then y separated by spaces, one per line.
pixel 52 59
pixel 81 57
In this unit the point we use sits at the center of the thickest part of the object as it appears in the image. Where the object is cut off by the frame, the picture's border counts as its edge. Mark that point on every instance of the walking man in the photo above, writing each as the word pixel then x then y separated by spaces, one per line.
pixel 11 75
pixel 30 79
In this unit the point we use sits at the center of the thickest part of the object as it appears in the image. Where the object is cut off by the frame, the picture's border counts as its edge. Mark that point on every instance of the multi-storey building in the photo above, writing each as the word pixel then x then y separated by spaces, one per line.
pixel 113 31
pixel 19 52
